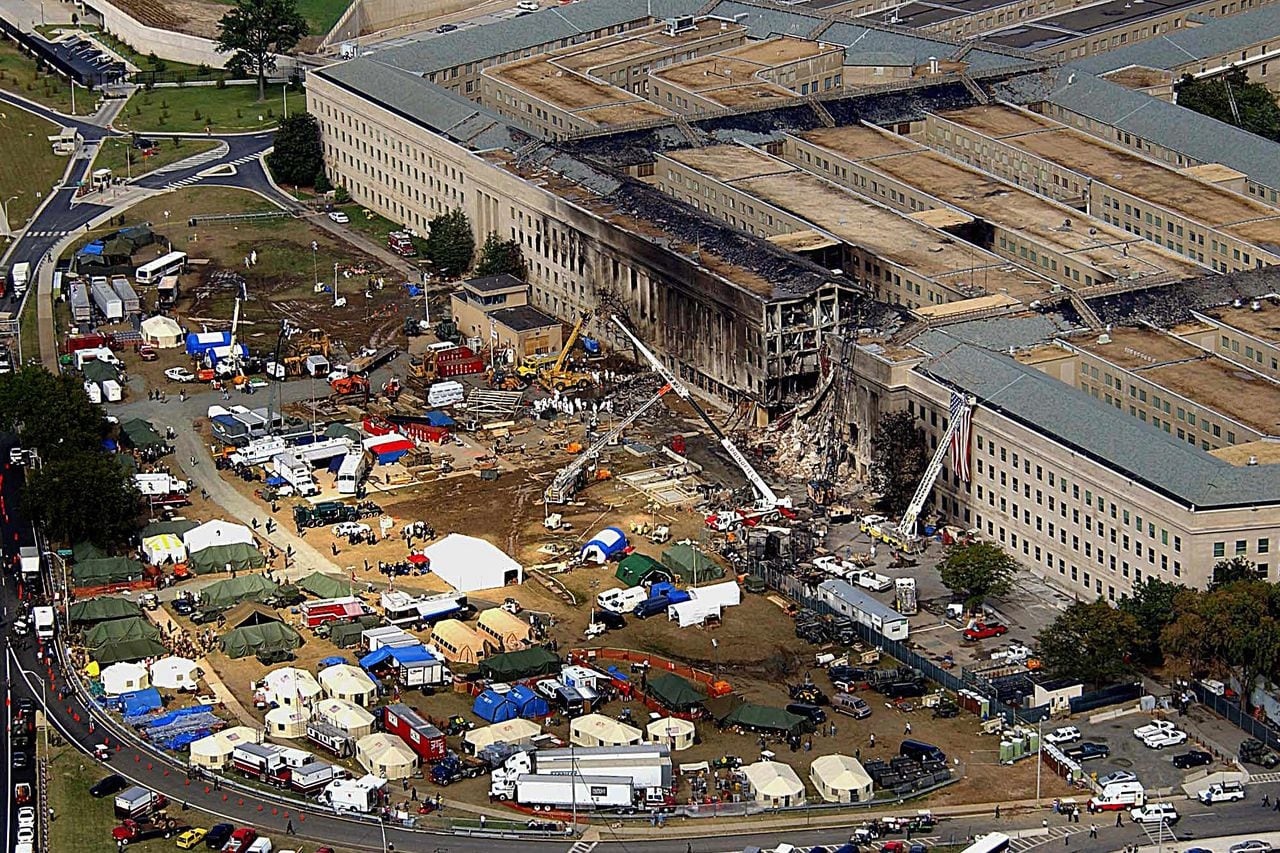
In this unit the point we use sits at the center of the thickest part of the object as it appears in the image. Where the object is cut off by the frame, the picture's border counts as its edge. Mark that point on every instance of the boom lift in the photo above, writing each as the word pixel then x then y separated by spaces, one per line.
pixel 555 377
pixel 768 505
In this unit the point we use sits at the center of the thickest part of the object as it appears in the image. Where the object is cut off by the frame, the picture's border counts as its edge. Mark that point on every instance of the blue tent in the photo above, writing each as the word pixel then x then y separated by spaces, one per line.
pixel 530 705
pixel 411 654
pixel 140 702
pixel 332 660
pixel 372 659
pixel 440 419
pixel 604 545
pixel 94 248
pixel 275 480
pixel 198 343
pixel 493 707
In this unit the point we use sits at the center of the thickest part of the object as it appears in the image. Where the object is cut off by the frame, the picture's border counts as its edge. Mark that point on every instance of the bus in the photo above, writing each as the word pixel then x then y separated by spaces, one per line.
pixel 152 271
pixel 992 842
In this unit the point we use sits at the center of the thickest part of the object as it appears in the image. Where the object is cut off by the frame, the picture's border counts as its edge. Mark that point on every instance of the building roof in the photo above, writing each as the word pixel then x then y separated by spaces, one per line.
pixel 773 779
pixel 861 600
pixel 840 772
pixel 1210 39
pixel 523 318
pixel 346 679
pixel 494 283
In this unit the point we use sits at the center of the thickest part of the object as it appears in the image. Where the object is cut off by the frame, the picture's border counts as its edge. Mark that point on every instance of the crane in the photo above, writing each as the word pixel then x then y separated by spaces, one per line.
pixel 768 502
pixel 555 377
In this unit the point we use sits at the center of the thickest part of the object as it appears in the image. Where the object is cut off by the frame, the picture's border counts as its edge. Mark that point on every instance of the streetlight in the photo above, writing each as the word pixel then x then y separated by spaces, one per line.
pixel 315 270
pixel 7 226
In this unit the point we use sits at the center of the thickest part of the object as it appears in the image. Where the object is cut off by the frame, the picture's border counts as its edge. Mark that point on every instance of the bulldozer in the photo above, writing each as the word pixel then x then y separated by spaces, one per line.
pixel 556 377
pixel 312 342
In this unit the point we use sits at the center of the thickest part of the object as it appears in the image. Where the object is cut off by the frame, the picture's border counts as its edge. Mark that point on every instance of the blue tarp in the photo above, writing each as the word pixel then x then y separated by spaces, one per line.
pixel 390 456
pixel 414 290
pixel 94 248
pixel 493 707
pixel 110 445
pixel 617 674
pixel 440 419
pixel 275 480
pixel 173 716
pixel 140 702
pixel 530 705
pixel 411 654
pixel 335 463
pixel 372 659
pixel 333 660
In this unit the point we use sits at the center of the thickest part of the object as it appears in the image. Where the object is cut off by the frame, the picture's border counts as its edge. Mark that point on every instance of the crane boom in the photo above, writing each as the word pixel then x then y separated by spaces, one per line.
pixel 568 344
pixel 767 496
pixel 907 526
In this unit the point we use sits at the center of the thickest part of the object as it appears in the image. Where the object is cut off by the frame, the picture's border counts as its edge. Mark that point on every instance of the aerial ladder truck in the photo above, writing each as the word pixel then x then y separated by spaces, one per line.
pixel 768 505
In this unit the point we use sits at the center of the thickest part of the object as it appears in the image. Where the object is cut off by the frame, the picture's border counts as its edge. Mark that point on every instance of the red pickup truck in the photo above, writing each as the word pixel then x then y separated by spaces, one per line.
pixel 985 630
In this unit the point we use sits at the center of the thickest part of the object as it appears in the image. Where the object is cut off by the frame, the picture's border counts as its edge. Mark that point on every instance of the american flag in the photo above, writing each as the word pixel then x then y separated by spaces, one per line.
pixel 961 437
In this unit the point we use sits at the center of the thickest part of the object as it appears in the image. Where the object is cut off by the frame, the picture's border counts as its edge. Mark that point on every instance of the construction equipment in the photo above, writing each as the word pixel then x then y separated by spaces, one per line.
pixel 370 358
pixel 349 386
pixel 531 365
pixel 555 377
pixel 391 389
pixel 313 342
pixel 445 363
pixel 769 504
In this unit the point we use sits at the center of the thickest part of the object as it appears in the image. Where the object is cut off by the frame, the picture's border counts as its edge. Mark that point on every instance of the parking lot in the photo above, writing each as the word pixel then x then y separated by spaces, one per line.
pixel 1153 767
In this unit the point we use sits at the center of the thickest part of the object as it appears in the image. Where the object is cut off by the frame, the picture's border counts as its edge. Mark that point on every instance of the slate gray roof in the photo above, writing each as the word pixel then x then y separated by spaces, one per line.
pixel 1093 429
pixel 1000 333
pixel 1211 40
pixel 523 318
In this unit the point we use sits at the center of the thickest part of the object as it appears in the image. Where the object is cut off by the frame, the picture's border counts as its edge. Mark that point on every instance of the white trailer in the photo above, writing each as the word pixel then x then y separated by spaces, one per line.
pixel 296 473
pixel 354 467
pixel 29 563
pixel 584 792
pixel 259 451
pixel 44 622
pixel 111 305
pixel 111 391
pixel 727 594
pixel 21 276
pixel 81 308
pixel 120 284
pixel 362 796
pixel 646 766
pixel 161 484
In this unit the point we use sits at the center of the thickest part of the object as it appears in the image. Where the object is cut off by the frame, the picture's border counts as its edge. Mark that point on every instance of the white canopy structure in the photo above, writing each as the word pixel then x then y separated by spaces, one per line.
pixel 216 532
pixel 344 681
pixel 344 715
pixel 163 332
pixel 290 687
pixel 215 750
pixel 512 731
pixel 672 731
pixel 599 730
pixel 287 722
pixel 775 784
pixel 124 678
pixel 840 779
pixel 163 548
pixel 175 673
pixel 467 563
pixel 386 756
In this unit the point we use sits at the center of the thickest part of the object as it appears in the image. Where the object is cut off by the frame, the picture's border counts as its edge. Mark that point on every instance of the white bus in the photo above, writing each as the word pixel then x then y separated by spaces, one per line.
pixel 152 271
pixel 992 842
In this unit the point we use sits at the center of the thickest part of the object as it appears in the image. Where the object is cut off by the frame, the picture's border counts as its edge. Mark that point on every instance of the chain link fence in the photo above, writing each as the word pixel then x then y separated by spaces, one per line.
pixel 1236 715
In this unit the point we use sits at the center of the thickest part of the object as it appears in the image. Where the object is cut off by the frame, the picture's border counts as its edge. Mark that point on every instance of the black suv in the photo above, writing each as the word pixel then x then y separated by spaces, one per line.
pixel 108 785
pixel 1192 758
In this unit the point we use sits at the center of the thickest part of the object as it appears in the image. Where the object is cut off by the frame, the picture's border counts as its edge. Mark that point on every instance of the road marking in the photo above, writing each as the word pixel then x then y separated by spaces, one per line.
pixel 583 847
pixel 1019 845
pixel 1263 778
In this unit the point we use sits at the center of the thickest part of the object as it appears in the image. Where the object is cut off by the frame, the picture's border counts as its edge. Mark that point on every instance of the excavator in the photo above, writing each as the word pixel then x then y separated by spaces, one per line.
pixel 350 386
pixel 556 377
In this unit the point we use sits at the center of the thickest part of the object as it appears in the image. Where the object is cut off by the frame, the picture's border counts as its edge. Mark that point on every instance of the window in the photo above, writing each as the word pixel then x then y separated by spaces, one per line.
pixel 1242 547
pixel 1264 545
pixel 1219 549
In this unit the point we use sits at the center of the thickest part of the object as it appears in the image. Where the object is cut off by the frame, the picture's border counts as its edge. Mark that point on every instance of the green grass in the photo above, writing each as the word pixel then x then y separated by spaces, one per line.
pixel 122 158
pixel 375 227
pixel 29 327
pixel 82 822
pixel 27 163
pixel 18 74
pixel 192 109
pixel 321 15
pixel 126 51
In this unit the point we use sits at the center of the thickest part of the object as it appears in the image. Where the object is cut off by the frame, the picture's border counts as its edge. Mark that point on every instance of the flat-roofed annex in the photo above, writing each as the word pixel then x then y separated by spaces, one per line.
pixel 1263 322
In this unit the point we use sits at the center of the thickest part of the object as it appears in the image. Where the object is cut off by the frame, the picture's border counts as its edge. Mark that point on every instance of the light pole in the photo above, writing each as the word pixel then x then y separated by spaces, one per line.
pixel 1039 756
pixel 315 269
pixel 7 227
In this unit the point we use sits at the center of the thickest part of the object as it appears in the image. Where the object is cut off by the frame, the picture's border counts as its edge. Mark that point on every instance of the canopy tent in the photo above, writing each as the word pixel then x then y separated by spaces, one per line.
pixel 273 636
pixel 349 683
pixel 214 751
pixel 528 704
pixel 114 630
pixel 675 733
pixel 104 609
pixel 765 718
pixel 164 548
pixel 347 716
pixel 287 723
pixel 124 678
pixel 505 628
pixel 290 687
pixel 216 532
pixel 840 779
pixel 115 651
pixel 691 565
pixel 163 332
pixel 175 673
pixel 177 528
pixel 775 784
pixel 140 434
pixel 100 371
pixel 494 707
pixel 467 563
pixel 248 613
pixel 106 570
pixel 138 702
pixel 603 546
pixel 522 664
pixel 598 730
pixel 223 594
pixel 324 586
pixel 239 556
pixel 674 692
pixel 386 756
pixel 82 551
pixel 457 642
pixel 637 569
pixel 511 731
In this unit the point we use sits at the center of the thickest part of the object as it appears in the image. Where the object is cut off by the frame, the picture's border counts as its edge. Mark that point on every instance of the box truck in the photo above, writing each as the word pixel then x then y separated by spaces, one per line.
pixel 362 796
pixel 21 275
pixel 584 792
pixel 111 390
pixel 29 563
pixel 137 801
pixel 161 484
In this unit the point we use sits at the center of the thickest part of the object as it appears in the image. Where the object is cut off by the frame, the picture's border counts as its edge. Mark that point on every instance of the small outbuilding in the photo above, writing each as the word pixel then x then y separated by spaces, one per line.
pixel 124 678
pixel 468 563
pixel 175 673
pixel 840 779
pixel 288 723
pixel 604 546
pixel 386 756
pixel 675 733
pixel 511 731
pixel 775 784
pixel 290 687
pixel 162 332
pixel 351 683
pixel 599 730
pixel 214 751
pixel 1057 693
pixel 345 716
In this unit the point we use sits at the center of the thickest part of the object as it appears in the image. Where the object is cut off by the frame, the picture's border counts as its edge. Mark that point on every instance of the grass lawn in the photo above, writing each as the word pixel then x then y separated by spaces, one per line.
pixel 191 109
pixel 27 164
pixel 122 158
pixel 321 15
pixel 125 50
pixel 375 227
pixel 18 74
pixel 82 822
pixel 29 327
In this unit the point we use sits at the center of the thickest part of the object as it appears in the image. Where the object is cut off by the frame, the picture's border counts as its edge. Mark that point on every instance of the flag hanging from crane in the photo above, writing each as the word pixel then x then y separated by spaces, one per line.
pixel 960 436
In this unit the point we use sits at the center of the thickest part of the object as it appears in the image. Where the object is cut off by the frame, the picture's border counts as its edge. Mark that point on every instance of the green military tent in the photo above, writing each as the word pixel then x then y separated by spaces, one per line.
pixel 251 639
pixel 128 650
pixel 127 462
pixel 765 718
pixel 223 594
pixel 173 528
pixel 100 371
pixel 344 635
pixel 636 569
pixel 106 570
pixel 690 564
pixel 325 586
pixel 114 630
pixel 522 664
pixel 239 555
pixel 140 433
pixel 82 551
pixel 342 431
pixel 674 692
pixel 102 609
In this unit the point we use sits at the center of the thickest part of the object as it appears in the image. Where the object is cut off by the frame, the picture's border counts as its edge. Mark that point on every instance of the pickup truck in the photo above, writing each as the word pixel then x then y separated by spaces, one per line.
pixel 872 580
pixel 134 831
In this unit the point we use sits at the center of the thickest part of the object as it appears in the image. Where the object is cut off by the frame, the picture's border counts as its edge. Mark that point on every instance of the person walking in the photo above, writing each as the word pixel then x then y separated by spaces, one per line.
pixel 288 829
pixel 1093 830
pixel 997 811
pixel 1120 818
pixel 907 729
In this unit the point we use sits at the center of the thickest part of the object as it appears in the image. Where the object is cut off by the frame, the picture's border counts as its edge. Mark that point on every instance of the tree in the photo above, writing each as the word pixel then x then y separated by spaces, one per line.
pixel 976 571
pixel 1152 605
pixel 1089 641
pixel 57 496
pixel 52 414
pixel 1255 107
pixel 898 458
pixel 450 244
pixel 322 184
pixel 1230 571
pixel 254 31
pixel 297 155
pixel 501 256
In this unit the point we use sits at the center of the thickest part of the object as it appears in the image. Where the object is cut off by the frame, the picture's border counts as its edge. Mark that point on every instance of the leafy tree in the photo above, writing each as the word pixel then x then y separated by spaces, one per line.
pixel 1089 641
pixel 83 495
pixel 322 183
pixel 52 414
pixel 500 256
pixel 1256 107
pixel 1152 606
pixel 451 245
pixel 1232 570
pixel 976 571
pixel 297 156
pixel 254 31
pixel 899 456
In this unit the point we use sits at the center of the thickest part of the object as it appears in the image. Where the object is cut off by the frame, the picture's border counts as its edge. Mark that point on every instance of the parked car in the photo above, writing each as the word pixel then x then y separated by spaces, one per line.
pixel 217 835
pixel 179 374
pixel 984 631
pixel 1066 734
pixel 1155 813
pixel 1162 739
pixel 26 817
pixel 148 353
pixel 1192 758
pixel 1088 751
pixel 527 5
pixel 344 529
pixel 191 838
pixel 1115 777
pixel 339 217
pixel 108 785
pixel 446 28
pixel 184 606
pixel 1153 727
pixel 21 760
pixel 1222 792
pixel 1253 845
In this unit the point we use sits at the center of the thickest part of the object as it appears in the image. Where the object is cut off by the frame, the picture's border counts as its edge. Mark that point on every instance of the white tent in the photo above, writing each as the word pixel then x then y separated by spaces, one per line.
pixel 386 756
pixel 290 687
pixel 599 730
pixel 215 750
pixel 512 731
pixel 216 533
pixel 163 332
pixel 344 681
pixel 603 545
pixel 344 715
pixel 287 722
pixel 775 784
pixel 166 546
pixel 175 673
pixel 840 779
pixel 124 677
pixel 672 731
pixel 468 564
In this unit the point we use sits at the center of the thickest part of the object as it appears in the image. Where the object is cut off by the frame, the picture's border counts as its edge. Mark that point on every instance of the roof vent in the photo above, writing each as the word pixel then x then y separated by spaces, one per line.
pixel 680 24
pixel 1253 460
pixel 1104 338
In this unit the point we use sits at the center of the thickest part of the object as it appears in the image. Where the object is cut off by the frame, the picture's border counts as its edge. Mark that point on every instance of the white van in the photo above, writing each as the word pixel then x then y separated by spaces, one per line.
pixel 44 622
pixel 94 392
pixel 619 600
pixel 1119 795
pixel 445 394
pixel 111 390
pixel 354 466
